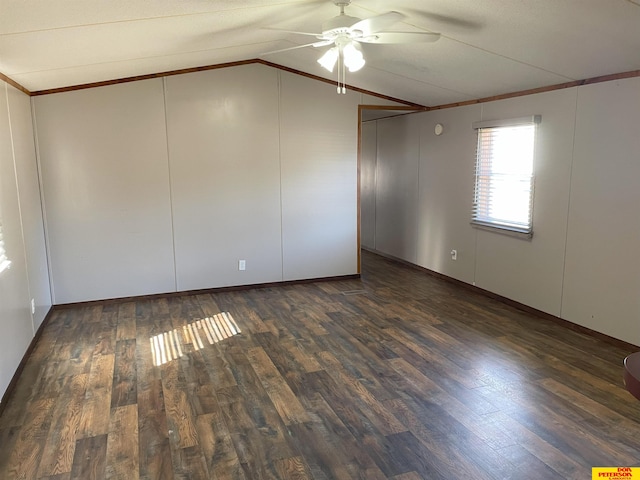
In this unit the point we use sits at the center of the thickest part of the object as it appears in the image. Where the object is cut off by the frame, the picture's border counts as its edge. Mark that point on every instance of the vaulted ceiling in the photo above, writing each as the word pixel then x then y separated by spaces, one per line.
pixel 487 47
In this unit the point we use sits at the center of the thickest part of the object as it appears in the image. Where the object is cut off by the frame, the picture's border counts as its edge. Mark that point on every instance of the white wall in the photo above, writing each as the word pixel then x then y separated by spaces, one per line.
pixel 105 182
pixel 397 186
pixel 318 142
pixel 225 176
pixel 531 272
pixel 582 263
pixel 444 212
pixel 368 168
pixel 30 202
pixel 22 232
pixel 164 184
pixel 368 164
pixel 602 269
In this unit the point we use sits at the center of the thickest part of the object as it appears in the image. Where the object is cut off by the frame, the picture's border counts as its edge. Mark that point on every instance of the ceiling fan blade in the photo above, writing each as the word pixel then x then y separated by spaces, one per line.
pixel 322 43
pixel 372 25
pixel 317 35
pixel 450 21
pixel 400 37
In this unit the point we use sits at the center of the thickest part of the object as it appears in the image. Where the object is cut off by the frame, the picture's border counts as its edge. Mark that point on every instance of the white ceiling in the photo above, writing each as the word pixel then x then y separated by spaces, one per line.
pixel 488 47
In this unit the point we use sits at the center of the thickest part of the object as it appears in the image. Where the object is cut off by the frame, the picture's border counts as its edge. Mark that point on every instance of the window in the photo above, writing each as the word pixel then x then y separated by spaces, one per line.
pixel 4 261
pixel 504 175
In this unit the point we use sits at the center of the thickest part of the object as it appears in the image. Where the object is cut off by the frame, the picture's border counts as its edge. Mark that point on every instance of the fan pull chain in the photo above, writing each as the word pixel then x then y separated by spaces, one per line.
pixel 342 74
pixel 340 66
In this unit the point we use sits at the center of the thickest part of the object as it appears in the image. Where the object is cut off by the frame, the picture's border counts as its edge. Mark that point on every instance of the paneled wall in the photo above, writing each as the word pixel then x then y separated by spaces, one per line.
pixel 22 231
pixel 318 141
pixel 444 212
pixel 531 272
pixel 582 263
pixel 26 175
pixel 105 183
pixel 368 167
pixel 225 176
pixel 397 187
pixel 602 267
pixel 165 184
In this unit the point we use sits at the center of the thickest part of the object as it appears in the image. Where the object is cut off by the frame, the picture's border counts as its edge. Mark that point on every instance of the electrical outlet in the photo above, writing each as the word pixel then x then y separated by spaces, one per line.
pixel 454 254
pixel 33 306
pixel 242 265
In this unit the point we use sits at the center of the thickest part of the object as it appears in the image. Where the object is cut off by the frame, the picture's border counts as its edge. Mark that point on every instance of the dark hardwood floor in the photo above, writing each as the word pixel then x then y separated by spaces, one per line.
pixel 398 375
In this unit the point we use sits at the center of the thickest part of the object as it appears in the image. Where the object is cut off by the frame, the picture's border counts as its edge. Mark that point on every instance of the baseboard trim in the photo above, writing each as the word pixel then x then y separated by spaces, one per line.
pixel 16 375
pixel 512 303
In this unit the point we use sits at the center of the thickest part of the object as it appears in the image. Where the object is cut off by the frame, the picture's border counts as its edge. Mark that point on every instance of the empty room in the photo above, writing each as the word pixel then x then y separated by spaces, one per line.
pixel 319 239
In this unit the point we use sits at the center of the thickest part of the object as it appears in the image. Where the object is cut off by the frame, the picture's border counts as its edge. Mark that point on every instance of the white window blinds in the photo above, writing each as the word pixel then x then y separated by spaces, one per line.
pixel 504 175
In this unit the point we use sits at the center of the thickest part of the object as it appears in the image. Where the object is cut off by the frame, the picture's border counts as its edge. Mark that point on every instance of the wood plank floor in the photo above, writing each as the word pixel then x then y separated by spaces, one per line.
pixel 397 375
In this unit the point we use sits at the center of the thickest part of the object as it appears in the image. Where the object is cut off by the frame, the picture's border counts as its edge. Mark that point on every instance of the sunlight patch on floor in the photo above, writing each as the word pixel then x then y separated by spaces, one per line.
pixel 168 346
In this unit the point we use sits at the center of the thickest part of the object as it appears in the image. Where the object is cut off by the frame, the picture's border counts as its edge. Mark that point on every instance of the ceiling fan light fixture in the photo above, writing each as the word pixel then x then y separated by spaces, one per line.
pixel 329 59
pixel 353 58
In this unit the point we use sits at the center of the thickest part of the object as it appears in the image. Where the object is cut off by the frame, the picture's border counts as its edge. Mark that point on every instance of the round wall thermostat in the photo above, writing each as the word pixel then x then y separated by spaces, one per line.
pixel 439 129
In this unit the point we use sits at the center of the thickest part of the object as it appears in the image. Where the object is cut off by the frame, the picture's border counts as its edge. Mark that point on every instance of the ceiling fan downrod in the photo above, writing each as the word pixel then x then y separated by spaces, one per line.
pixel 341 4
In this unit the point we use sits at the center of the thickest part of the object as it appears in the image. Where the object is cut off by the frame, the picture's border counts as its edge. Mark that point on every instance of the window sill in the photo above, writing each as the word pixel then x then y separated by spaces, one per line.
pixel 503 231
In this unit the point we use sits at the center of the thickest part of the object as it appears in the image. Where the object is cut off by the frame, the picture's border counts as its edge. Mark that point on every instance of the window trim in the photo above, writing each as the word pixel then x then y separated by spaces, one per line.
pixel 509 122
pixel 534 120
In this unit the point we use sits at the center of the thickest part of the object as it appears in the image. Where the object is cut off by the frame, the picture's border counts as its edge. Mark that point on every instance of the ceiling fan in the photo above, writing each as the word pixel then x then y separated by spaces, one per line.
pixel 346 33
